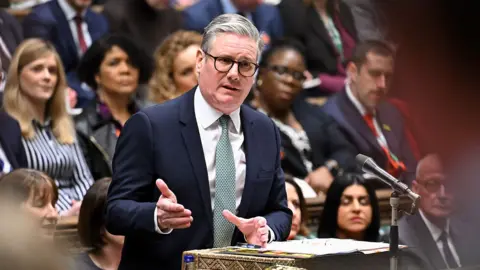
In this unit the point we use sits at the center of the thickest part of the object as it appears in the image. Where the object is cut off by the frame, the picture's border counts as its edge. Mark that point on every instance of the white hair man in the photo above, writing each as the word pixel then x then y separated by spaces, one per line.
pixel 217 162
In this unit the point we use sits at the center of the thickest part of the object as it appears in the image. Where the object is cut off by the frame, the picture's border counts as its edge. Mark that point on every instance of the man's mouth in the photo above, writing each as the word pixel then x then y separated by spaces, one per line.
pixel 231 88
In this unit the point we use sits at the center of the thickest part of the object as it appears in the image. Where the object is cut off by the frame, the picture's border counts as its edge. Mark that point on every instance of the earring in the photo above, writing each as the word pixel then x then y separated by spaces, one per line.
pixel 259 82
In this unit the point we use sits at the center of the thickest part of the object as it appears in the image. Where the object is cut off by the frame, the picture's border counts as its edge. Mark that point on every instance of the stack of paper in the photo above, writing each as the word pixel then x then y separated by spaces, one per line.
pixel 327 246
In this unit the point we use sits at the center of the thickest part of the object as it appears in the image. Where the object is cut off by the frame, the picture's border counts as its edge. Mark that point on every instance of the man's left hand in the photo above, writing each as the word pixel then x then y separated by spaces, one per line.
pixel 255 229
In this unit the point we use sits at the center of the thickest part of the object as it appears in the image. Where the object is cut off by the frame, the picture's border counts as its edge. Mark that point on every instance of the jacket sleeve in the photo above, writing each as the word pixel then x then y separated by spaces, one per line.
pixel 279 217
pixel 130 208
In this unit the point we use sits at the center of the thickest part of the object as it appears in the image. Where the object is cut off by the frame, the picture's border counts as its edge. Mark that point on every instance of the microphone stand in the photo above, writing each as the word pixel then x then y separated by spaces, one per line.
pixel 394 203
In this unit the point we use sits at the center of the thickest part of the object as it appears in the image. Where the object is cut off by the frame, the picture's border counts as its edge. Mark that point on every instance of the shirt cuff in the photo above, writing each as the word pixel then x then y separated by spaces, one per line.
pixel 157 229
pixel 271 236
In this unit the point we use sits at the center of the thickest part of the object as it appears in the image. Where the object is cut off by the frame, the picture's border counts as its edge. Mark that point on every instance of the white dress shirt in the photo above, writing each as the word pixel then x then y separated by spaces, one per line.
pixel 70 13
pixel 436 233
pixel 210 131
pixel 6 165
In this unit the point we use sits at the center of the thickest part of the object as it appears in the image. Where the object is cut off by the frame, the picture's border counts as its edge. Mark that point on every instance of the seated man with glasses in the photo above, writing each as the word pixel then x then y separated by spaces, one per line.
pixel 200 162
pixel 433 232
pixel 313 148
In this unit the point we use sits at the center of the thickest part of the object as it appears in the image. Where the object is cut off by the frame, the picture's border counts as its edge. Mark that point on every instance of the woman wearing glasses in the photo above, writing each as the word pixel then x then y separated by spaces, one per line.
pixel 313 147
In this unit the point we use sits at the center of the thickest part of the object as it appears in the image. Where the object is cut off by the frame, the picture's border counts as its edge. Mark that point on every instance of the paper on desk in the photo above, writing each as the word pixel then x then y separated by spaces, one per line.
pixel 326 246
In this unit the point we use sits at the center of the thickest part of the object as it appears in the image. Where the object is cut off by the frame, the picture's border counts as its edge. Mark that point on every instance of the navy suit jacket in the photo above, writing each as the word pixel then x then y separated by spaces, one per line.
pixel 10 31
pixel 360 135
pixel 48 21
pixel 11 141
pixel 163 141
pixel 266 17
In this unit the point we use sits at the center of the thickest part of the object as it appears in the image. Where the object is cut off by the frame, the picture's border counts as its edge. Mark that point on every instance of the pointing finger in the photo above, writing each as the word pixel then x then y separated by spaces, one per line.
pixel 232 218
pixel 166 192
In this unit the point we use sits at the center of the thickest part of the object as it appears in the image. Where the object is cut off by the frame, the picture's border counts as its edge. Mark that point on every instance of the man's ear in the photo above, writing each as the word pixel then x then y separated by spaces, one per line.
pixel 200 61
pixel 352 71
pixel 415 186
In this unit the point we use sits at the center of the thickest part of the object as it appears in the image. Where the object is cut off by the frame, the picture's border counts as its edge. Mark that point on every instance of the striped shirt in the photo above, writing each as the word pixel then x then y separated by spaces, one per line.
pixel 63 162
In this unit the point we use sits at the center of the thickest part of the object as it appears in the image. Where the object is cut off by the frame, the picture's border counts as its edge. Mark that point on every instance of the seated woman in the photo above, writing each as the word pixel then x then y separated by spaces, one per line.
pixel 34 192
pixel 313 146
pixel 296 203
pixel 175 66
pixel 114 67
pixel 351 210
pixel 35 97
pixel 105 249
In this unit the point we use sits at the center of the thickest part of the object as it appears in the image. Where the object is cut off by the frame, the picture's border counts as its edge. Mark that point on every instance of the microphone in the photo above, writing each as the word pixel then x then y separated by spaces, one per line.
pixel 369 166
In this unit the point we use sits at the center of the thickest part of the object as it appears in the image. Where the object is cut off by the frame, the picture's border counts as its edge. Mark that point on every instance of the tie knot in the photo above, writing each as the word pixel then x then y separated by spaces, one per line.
pixel 443 236
pixel 224 121
pixel 78 18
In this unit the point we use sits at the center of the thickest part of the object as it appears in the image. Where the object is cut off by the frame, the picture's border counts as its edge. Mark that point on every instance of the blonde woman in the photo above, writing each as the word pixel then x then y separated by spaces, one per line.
pixel 175 66
pixel 35 97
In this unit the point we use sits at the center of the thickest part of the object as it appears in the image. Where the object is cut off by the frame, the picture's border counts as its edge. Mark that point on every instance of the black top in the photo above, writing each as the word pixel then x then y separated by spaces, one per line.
pixel 83 262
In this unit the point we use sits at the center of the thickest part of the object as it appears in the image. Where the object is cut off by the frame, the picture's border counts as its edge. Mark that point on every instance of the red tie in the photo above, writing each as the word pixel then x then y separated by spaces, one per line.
pixel 81 38
pixel 394 166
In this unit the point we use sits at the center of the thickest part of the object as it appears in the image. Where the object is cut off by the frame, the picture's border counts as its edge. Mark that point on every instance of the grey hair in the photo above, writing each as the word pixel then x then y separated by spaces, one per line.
pixel 231 23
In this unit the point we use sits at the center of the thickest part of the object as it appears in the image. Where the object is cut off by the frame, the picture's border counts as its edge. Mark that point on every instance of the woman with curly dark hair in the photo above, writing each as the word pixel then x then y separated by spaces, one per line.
pixel 175 66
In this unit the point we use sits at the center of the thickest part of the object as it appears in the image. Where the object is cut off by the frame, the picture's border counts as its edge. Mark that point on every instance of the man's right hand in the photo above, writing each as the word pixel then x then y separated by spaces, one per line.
pixel 170 214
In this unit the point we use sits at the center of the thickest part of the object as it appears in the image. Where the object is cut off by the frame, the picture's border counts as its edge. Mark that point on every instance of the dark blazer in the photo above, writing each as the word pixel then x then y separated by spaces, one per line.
pixel 163 141
pixel 414 233
pixel 359 134
pixel 48 21
pixel 266 17
pixel 320 52
pixel 11 141
pixel 326 140
pixel 10 31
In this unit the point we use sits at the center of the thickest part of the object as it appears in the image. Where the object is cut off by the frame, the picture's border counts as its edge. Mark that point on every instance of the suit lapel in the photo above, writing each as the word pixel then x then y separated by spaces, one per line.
pixel 384 121
pixel 426 242
pixel 356 120
pixel 253 156
pixel 91 26
pixel 193 144
pixel 64 29
pixel 319 27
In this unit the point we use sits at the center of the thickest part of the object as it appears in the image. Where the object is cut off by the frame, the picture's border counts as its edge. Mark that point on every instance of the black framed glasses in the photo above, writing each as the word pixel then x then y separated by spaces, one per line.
pixel 224 64
pixel 281 70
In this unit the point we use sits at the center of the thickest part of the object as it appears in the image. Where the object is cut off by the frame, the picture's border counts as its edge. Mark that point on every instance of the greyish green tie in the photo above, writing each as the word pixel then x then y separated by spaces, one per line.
pixel 224 187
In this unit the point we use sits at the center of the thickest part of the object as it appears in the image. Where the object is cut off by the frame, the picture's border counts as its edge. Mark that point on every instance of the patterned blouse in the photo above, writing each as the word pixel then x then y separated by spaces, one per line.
pixel 63 162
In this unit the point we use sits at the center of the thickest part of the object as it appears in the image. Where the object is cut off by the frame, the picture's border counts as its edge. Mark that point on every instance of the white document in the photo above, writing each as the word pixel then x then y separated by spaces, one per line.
pixel 326 246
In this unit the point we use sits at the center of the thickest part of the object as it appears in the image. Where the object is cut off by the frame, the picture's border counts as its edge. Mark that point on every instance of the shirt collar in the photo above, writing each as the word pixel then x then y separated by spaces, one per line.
pixel 355 101
pixel 70 12
pixel 209 115
pixel 435 231
pixel 46 124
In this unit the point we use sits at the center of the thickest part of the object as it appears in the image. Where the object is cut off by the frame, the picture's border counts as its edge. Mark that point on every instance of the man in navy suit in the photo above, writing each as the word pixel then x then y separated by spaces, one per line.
pixel 218 161
pixel 12 153
pixel 373 125
pixel 265 17
pixel 72 27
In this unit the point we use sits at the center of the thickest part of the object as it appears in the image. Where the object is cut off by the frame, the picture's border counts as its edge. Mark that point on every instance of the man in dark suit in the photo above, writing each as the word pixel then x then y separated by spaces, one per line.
pixel 373 125
pixel 72 27
pixel 265 17
pixel 440 240
pixel 219 162
pixel 12 153
pixel 10 36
